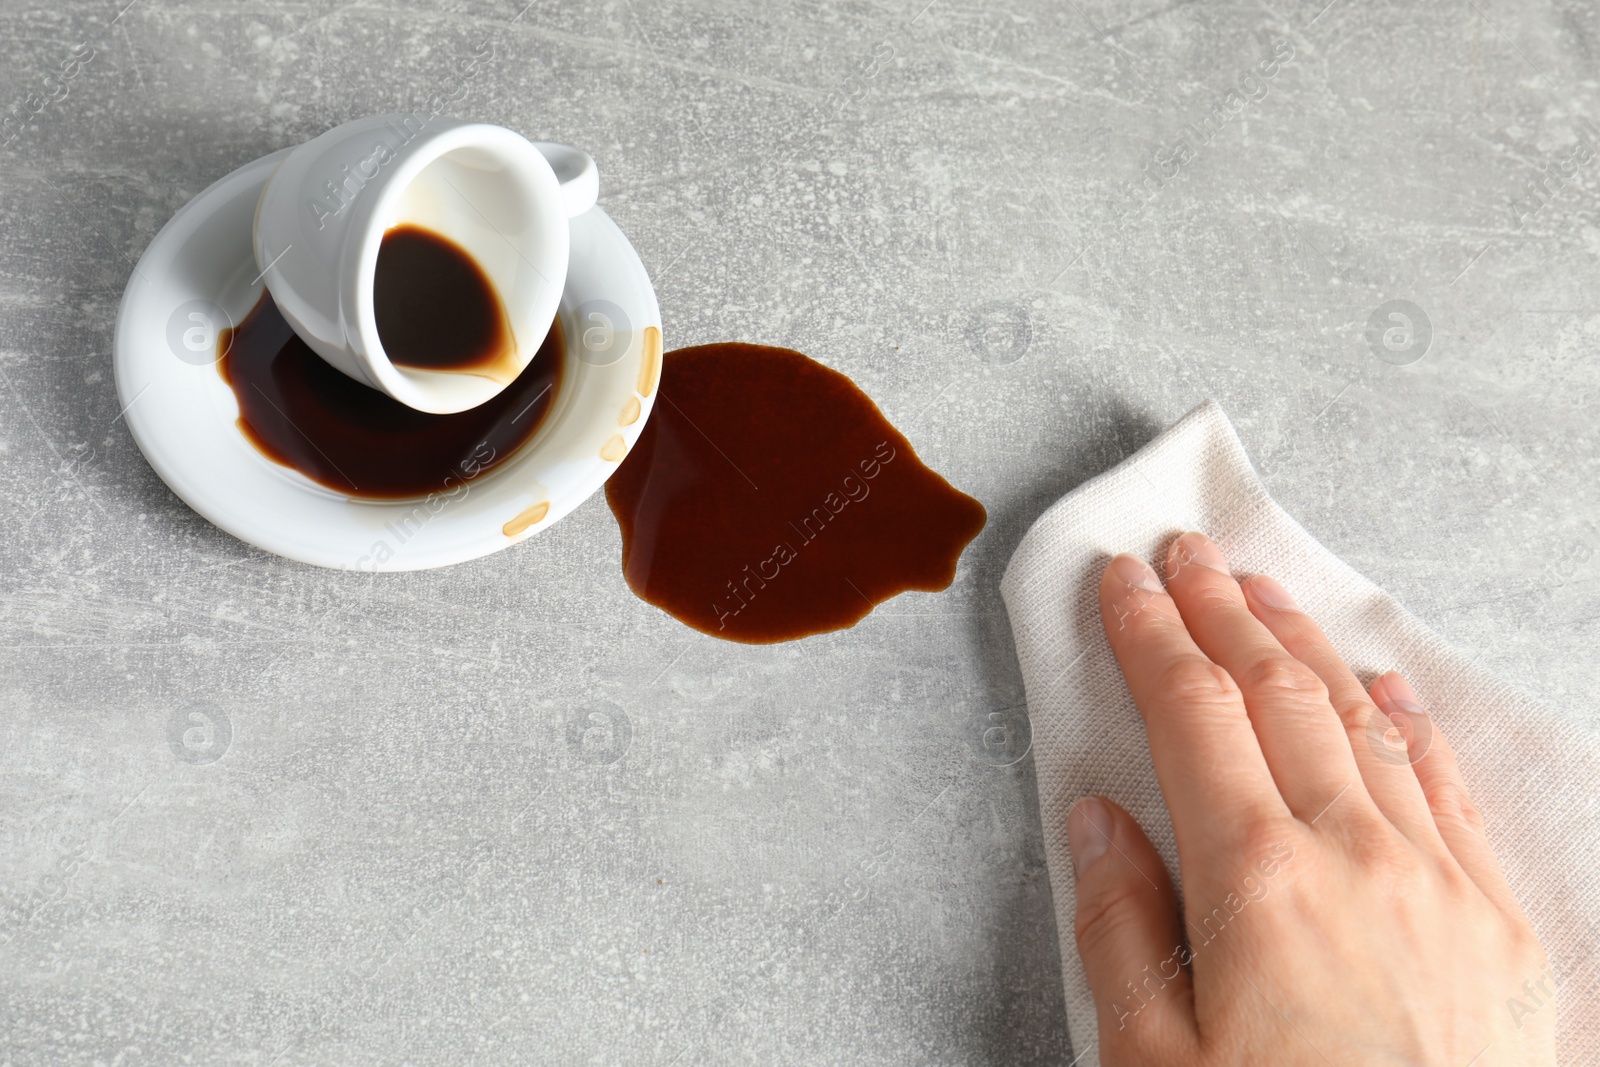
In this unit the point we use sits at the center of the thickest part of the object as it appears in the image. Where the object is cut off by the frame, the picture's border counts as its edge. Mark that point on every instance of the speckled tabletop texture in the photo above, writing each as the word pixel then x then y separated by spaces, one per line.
pixel 254 812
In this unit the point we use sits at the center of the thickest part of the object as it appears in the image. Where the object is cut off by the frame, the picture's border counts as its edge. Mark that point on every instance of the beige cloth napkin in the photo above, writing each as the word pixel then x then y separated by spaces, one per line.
pixel 1535 778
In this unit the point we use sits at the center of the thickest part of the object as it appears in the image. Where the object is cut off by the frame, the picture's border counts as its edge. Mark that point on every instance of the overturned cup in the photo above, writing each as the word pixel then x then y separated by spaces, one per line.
pixel 499 199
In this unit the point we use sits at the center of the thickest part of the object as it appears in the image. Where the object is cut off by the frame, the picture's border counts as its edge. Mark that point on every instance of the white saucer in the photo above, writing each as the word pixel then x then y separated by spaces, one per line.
pixel 201 268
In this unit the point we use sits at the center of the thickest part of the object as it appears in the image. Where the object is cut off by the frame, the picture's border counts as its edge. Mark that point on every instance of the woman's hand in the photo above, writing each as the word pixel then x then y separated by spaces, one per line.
pixel 1340 902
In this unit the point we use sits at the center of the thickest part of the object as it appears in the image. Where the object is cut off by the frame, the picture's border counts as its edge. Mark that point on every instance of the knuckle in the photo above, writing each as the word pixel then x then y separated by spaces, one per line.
pixel 1283 677
pixel 1358 713
pixel 1469 811
pixel 1525 944
pixel 1266 841
pixel 1384 856
pixel 1196 680
pixel 1443 807
pixel 1103 921
pixel 1265 855
pixel 1374 737
pixel 1451 805
pixel 1458 884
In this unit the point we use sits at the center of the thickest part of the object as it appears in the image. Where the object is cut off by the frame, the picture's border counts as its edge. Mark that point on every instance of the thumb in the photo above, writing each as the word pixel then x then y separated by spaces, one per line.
pixel 1130 939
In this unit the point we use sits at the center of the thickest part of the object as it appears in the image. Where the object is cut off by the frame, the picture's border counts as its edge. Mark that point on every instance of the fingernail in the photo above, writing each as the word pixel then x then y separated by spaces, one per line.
pixel 1398 703
pixel 1270 593
pixel 1195 547
pixel 1402 712
pixel 1392 704
pixel 1131 570
pixel 1392 688
pixel 1088 832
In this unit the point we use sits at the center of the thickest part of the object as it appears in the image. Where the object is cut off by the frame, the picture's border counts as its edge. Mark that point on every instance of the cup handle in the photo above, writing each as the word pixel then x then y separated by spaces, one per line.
pixel 575 170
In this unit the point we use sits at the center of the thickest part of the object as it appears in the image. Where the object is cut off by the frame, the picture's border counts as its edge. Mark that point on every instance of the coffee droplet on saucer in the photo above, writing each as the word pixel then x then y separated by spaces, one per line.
pixel 770 499
pixel 650 361
pixel 526 519
pixel 630 412
pixel 614 449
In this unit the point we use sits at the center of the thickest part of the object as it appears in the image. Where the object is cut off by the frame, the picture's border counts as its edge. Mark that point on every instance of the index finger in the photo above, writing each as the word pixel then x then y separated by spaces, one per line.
pixel 1206 755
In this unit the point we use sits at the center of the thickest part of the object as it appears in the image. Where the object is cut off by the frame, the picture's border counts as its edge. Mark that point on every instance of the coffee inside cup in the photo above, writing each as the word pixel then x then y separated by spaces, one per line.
pixel 459 298
pixel 436 309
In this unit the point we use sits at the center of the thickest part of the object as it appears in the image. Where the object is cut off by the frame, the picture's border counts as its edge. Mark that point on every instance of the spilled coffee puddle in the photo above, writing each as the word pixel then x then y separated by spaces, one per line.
pixel 768 499
pixel 300 412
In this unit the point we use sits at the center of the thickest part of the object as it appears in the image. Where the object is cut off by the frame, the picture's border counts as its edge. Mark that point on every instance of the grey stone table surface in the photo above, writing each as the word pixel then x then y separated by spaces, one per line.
pixel 505 812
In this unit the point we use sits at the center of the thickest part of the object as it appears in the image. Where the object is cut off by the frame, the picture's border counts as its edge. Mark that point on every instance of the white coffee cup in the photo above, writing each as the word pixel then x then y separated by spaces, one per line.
pixel 501 198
